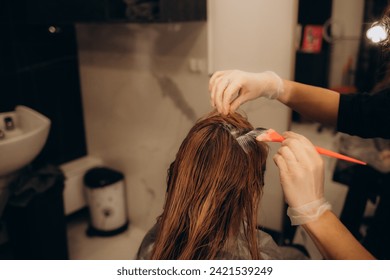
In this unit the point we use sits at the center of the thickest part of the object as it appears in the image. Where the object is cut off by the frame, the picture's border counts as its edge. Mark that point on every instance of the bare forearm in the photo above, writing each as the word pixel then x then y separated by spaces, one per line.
pixel 318 104
pixel 334 240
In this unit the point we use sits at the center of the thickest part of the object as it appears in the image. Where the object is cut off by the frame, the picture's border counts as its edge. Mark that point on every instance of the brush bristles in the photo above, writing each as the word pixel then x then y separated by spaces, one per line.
pixel 245 139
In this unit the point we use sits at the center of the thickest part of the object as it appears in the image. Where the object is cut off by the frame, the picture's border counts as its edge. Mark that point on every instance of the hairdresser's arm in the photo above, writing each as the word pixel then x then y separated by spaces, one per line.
pixel 302 178
pixel 333 239
pixel 229 89
pixel 316 103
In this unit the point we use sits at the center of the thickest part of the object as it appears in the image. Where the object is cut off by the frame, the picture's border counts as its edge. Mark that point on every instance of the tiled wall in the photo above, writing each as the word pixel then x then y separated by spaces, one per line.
pixel 140 99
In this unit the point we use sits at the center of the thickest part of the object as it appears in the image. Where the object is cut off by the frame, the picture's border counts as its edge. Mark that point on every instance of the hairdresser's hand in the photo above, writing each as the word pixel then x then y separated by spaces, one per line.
pixel 301 170
pixel 229 89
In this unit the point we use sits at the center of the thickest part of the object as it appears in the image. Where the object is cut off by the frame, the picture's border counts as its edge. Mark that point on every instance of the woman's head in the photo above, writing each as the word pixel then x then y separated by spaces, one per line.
pixel 214 186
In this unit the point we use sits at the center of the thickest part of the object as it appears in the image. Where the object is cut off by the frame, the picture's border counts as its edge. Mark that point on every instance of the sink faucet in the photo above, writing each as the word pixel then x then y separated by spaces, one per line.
pixel 9 123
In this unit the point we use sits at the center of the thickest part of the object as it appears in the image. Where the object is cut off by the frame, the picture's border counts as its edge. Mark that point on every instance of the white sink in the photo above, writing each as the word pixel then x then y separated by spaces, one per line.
pixel 21 145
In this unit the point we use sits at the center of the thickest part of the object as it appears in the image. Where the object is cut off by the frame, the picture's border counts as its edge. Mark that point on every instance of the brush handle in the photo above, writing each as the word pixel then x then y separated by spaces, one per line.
pixel 273 136
pixel 329 153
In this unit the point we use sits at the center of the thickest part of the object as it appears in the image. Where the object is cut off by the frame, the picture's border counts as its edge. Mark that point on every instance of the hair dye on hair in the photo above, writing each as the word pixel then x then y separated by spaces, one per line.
pixel 213 191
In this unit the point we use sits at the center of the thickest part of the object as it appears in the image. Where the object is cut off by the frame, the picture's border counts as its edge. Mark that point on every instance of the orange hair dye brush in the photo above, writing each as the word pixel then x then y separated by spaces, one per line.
pixel 270 135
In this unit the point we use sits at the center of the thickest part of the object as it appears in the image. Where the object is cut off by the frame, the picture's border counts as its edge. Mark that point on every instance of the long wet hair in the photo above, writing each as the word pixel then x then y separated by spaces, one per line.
pixel 214 188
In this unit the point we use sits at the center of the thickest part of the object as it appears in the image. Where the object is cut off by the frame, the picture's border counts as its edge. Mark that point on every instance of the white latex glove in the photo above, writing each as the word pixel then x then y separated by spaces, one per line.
pixel 229 89
pixel 301 171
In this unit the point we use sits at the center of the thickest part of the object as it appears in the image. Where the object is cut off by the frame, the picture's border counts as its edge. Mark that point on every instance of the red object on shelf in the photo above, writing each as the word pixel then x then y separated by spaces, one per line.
pixel 312 39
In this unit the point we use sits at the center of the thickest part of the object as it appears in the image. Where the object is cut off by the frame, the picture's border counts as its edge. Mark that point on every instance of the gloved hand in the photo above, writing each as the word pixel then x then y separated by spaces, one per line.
pixel 301 172
pixel 229 89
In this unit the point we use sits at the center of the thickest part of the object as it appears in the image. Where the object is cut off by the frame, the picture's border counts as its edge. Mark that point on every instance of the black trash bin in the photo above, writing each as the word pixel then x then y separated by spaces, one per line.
pixel 35 216
pixel 105 192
